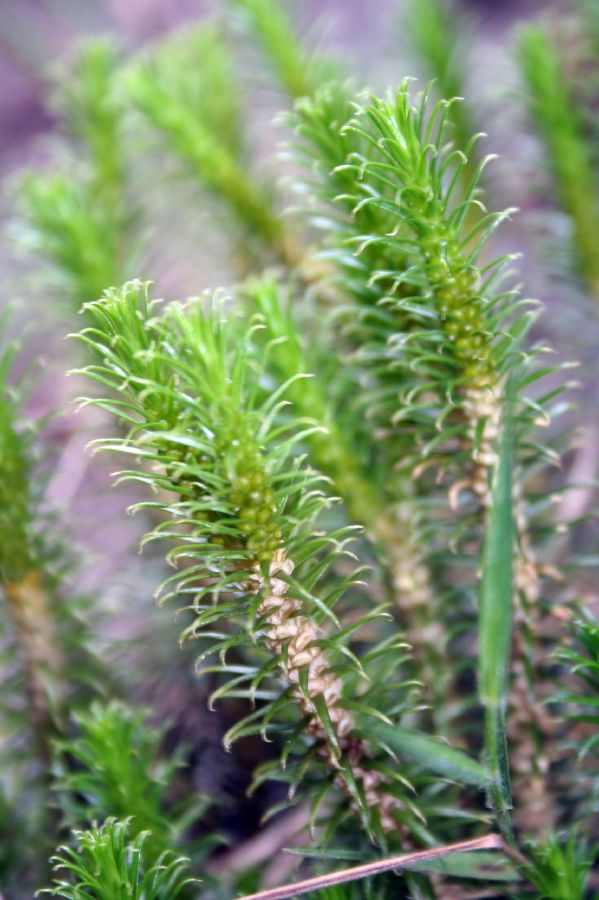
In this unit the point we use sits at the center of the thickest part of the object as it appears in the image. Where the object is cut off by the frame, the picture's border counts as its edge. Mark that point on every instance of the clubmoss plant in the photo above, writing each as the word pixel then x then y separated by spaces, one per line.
pixel 251 509
pixel 43 646
pixel 111 769
pixel 407 155
pixel 79 216
pixel 461 330
pixel 107 864
pixel 296 67
pixel 187 93
pixel 561 122
pixel 24 583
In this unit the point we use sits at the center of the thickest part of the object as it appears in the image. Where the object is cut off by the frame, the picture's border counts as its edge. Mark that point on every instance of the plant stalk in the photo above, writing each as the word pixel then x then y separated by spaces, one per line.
pixel 397 863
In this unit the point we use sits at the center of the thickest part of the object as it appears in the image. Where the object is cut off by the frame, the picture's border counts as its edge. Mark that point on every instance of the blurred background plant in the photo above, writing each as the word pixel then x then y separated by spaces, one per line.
pixel 156 154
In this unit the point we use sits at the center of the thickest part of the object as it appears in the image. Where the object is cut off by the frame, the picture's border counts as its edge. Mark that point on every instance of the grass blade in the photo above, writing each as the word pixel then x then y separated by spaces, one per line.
pixel 495 626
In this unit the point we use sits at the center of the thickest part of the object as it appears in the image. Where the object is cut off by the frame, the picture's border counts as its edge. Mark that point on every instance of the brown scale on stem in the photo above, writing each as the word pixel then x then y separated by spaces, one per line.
pixel 482 406
pixel 289 633
pixel 288 629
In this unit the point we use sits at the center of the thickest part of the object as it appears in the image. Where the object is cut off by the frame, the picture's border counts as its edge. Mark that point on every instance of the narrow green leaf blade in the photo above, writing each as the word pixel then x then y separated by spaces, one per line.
pixel 495 622
pixel 431 753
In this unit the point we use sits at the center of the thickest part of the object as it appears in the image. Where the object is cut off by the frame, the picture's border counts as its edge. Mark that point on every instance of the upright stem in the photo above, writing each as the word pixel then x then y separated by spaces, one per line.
pixel 553 105
pixel 41 657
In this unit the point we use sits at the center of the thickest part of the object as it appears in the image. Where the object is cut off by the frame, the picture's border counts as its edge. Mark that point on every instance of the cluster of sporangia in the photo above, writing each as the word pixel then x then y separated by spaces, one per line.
pixel 252 498
pixel 289 634
pixel 454 284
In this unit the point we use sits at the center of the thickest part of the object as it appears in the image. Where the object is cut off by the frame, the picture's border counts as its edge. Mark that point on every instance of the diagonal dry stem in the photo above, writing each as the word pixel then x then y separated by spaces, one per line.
pixel 395 863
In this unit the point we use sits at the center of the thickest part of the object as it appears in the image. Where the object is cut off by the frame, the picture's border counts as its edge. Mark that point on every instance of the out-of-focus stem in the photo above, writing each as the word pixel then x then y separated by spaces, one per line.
pixel 42 660
pixel 530 727
pixel 416 603
pixel 553 108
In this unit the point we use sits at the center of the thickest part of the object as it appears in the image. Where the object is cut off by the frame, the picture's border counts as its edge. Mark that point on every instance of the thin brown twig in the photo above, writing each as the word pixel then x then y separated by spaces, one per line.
pixel 489 842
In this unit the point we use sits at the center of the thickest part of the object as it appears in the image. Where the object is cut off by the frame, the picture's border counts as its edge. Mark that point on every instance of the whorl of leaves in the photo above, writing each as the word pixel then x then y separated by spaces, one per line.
pixel 111 769
pixel 438 32
pixel 106 865
pixel 440 296
pixel 558 867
